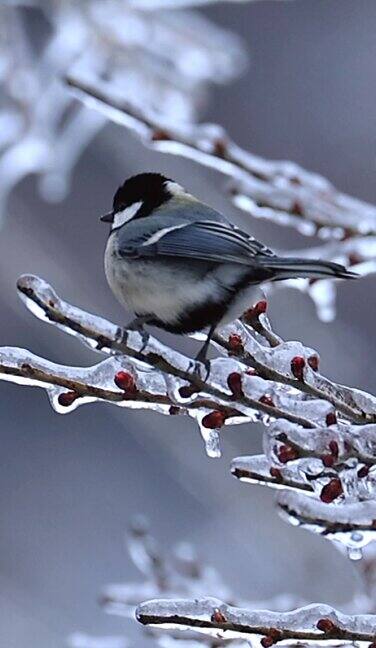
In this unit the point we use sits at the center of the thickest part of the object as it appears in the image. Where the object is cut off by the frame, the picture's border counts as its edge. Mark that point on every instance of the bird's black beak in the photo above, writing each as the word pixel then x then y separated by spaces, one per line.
pixel 107 218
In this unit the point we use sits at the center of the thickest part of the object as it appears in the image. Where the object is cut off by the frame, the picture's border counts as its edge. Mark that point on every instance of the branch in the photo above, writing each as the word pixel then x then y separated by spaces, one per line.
pixel 278 191
pixel 312 624
pixel 256 470
pixel 106 337
pixel 353 524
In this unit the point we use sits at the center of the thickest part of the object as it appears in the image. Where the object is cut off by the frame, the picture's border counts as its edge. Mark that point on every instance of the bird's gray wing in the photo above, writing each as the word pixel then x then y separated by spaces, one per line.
pixel 205 240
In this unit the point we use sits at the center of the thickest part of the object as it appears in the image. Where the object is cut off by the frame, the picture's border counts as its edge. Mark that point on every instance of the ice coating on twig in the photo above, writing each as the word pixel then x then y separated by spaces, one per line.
pixel 169 382
pixel 318 438
pixel 351 524
pixel 313 624
pixel 256 470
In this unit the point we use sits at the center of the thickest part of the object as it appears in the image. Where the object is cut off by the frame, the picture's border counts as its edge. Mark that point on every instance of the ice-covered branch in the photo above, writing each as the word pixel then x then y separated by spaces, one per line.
pixel 174 572
pixel 271 364
pixel 262 377
pixel 326 456
pixel 279 191
pixel 312 624
pixel 351 524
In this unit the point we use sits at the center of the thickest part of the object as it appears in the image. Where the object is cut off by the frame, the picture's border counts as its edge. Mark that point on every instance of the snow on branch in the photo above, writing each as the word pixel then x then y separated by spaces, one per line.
pixel 310 625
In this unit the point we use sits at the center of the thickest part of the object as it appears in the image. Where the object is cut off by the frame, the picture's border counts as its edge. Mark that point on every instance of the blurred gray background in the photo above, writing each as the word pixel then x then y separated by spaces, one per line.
pixel 69 485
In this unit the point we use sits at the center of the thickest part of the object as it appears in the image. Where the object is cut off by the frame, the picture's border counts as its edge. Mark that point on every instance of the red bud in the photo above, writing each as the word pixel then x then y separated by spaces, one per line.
pixel 235 343
pixel 66 399
pixel 267 400
pixel 331 491
pixel 266 642
pixel 220 148
pixel 174 410
pixel 187 391
pixel 297 367
pixel 125 381
pixel 325 625
pixel 255 312
pixel 214 420
pixel 313 362
pixel 354 258
pixel 234 381
pixel 287 453
pixel 276 473
pixel 218 616
pixel 331 418
pixel 297 209
pixel 160 135
pixel 333 447
pixel 328 460
pixel 260 307
pixel 363 472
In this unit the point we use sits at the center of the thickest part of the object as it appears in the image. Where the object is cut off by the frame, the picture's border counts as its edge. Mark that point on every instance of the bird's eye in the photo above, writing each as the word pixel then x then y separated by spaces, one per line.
pixel 126 214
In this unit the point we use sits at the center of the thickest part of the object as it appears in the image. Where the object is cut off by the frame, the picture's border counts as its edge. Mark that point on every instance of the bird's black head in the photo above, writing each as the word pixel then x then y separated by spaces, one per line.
pixel 138 197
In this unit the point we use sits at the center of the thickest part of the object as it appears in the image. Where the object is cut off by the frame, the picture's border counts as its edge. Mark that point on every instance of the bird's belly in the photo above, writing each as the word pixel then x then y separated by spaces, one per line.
pixel 163 290
pixel 180 297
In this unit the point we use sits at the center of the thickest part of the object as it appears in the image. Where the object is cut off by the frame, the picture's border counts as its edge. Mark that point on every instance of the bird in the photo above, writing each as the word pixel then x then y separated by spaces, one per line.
pixel 181 266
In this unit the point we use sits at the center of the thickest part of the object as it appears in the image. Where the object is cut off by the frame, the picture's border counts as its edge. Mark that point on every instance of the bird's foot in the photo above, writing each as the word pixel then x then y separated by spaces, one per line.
pixel 137 325
pixel 201 368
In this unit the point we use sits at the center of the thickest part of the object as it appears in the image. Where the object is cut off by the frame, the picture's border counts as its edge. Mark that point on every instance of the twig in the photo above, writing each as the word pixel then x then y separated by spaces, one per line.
pixel 279 191
pixel 329 391
pixel 214 617
pixel 116 339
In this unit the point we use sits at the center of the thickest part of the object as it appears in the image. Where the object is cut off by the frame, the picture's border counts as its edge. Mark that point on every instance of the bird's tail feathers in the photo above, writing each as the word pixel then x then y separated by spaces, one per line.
pixel 292 268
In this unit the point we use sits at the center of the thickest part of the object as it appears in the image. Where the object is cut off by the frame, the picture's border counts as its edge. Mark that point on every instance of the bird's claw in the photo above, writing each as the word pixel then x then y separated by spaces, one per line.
pixel 197 367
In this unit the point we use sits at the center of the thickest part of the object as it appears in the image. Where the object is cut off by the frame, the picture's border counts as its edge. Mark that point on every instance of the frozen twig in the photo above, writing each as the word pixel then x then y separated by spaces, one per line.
pixel 311 624
pixel 351 524
pixel 103 336
pixel 279 191
pixel 256 470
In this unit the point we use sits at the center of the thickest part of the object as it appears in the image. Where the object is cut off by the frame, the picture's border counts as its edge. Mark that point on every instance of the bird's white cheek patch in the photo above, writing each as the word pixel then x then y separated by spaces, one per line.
pixel 126 215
